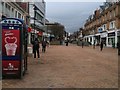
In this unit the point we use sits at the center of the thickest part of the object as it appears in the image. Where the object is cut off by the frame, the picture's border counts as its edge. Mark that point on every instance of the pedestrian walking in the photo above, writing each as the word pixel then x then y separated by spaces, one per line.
pixel 36 48
pixel 118 46
pixel 101 45
pixel 67 42
pixel 44 46
pixel 60 42
pixel 82 44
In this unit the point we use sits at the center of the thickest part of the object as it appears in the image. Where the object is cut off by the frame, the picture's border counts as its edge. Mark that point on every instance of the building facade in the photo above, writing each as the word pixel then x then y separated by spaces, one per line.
pixel 14 10
pixel 33 13
pixel 37 18
pixel 104 25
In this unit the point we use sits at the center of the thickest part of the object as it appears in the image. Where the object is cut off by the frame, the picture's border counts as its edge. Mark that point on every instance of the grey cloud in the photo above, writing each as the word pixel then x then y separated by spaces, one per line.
pixel 72 15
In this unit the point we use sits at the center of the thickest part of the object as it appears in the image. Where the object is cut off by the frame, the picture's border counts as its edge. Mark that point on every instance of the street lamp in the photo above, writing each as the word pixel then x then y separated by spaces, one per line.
pixel 34 17
pixel 35 8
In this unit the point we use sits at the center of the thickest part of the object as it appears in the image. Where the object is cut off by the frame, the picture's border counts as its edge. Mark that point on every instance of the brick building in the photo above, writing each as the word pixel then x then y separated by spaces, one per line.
pixel 104 25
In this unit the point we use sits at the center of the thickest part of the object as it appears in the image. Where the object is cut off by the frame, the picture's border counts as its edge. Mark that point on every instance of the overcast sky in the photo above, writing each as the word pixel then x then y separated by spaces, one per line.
pixel 70 14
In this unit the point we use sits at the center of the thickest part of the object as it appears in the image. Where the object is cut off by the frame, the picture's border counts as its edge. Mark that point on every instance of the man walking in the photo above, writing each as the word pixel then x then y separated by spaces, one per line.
pixel 101 45
pixel 67 42
pixel 82 43
pixel 36 48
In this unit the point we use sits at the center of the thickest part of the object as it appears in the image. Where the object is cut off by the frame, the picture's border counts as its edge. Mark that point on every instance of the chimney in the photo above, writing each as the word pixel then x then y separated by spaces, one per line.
pixel 97 13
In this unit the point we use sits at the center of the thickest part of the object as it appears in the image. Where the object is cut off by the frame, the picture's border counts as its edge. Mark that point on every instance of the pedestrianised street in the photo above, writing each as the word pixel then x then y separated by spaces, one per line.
pixel 70 67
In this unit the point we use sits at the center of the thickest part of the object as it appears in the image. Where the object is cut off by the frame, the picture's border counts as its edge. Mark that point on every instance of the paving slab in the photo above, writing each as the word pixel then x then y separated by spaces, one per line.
pixel 70 67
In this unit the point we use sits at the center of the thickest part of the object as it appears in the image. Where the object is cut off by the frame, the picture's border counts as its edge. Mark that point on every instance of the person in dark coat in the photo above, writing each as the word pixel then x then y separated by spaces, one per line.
pixel 67 42
pixel 101 45
pixel 44 45
pixel 36 48
pixel 82 43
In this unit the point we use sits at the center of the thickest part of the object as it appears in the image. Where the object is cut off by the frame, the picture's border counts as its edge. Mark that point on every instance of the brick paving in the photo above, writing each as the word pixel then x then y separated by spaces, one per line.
pixel 70 67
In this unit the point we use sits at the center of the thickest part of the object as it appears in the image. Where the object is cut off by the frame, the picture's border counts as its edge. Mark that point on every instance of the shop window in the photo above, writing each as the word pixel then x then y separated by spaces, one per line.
pixel 111 41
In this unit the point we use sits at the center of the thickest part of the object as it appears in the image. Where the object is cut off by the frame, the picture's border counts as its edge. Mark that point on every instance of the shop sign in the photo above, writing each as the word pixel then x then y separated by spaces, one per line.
pixel 111 34
pixel 103 34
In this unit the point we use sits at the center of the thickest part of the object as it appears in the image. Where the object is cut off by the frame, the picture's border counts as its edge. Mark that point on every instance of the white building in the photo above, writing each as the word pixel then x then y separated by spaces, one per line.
pixel 37 18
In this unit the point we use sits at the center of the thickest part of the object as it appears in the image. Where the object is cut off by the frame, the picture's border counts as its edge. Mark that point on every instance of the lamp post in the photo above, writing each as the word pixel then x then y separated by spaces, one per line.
pixel 34 19
pixel 32 7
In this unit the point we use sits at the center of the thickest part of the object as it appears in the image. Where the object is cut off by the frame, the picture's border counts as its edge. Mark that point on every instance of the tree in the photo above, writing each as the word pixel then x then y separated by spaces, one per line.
pixel 57 30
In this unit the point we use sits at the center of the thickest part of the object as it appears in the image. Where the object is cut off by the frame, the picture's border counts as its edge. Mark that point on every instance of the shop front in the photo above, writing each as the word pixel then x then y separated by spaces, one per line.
pixel 97 39
pixel 104 38
pixel 111 39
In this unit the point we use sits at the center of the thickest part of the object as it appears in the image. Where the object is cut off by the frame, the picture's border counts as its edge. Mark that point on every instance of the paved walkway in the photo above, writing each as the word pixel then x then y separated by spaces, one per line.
pixel 70 67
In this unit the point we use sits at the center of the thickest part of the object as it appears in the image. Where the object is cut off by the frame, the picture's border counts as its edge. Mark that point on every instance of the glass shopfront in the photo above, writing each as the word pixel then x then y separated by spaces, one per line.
pixel 111 39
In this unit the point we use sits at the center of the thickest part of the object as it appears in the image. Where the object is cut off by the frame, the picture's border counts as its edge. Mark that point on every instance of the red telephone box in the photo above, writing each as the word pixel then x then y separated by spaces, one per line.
pixel 14 48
